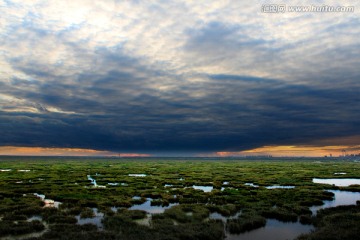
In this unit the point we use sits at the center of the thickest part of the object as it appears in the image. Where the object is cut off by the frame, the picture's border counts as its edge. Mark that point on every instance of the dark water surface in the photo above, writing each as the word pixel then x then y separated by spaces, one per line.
pixel 274 230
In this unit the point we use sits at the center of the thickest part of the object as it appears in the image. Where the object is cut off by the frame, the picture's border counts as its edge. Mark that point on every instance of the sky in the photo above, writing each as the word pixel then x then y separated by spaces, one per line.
pixel 178 78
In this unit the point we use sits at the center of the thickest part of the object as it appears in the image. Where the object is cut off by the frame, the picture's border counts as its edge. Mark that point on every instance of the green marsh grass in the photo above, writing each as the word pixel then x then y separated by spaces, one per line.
pixel 65 180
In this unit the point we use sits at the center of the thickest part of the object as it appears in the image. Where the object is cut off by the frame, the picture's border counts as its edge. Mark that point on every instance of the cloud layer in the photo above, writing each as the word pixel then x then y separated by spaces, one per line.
pixel 158 76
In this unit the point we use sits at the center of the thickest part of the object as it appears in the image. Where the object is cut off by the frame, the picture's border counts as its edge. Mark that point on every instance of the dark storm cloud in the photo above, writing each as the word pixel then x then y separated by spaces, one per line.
pixel 227 119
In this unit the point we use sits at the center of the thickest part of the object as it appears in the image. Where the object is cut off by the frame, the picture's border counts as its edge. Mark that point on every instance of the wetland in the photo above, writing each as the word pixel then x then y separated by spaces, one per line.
pixel 148 198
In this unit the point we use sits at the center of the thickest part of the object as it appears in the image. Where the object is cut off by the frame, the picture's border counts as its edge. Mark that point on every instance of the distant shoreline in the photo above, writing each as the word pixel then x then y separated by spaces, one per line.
pixel 12 157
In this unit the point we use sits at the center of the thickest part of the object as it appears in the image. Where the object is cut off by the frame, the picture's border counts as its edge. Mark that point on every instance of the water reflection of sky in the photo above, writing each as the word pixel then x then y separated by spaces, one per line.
pixel 341 198
pixel 203 188
pixel 216 215
pixel 96 220
pixel 278 186
pixel 146 206
pixel 274 230
pixel 340 182
pixel 137 175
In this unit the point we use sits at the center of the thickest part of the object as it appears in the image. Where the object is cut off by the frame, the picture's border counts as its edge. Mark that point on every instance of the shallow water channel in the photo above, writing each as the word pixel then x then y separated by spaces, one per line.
pixel 146 206
pixel 203 188
pixel 340 182
pixel 274 230
pixel 340 198
pixel 96 220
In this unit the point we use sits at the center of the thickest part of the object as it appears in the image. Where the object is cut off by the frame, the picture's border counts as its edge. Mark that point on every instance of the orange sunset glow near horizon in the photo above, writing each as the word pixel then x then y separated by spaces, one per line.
pixel 275 151
pixel 76 152
pixel 296 151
